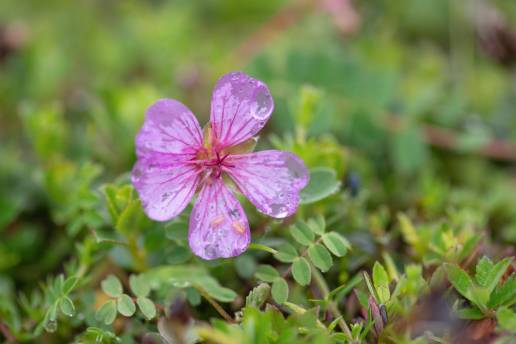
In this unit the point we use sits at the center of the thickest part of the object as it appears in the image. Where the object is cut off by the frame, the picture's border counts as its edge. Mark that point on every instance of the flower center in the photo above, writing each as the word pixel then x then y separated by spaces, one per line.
pixel 212 161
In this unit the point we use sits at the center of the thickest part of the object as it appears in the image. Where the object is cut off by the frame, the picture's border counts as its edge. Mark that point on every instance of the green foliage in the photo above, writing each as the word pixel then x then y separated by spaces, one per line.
pixel 323 183
pixel 486 291
pixel 407 132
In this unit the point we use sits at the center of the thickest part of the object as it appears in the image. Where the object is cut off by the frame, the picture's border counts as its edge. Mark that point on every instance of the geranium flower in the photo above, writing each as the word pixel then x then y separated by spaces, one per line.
pixel 175 159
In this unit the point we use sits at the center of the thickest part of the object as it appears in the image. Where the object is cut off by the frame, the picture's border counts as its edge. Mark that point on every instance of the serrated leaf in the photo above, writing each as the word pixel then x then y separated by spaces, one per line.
pixel 266 273
pixel 460 280
pixel 320 257
pixel 337 244
pixel 126 305
pixel 301 271
pixel 147 307
pixel 381 283
pixel 323 183
pixel 107 313
pixel 484 266
pixel 67 306
pixel 139 285
pixel 302 233
pixel 112 286
pixel 496 273
pixel 257 297
pixel 279 290
pixel 286 253
pixel 504 294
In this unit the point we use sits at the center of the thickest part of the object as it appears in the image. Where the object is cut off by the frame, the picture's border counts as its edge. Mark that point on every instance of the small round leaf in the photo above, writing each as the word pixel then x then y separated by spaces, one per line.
pixel 336 243
pixel 320 256
pixel 266 273
pixel 126 305
pixel 279 290
pixel 139 285
pixel 112 286
pixel 147 307
pixel 301 271
pixel 286 253
pixel 107 313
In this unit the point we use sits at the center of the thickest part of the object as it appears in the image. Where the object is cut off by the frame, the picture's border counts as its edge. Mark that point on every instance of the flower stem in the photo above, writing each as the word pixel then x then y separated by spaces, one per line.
pixel 332 307
pixel 139 256
pixel 261 247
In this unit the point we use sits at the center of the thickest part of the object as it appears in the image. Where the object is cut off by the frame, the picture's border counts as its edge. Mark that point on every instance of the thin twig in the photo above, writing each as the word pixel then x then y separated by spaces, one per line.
pixel 444 138
pixel 283 19
pixel 215 305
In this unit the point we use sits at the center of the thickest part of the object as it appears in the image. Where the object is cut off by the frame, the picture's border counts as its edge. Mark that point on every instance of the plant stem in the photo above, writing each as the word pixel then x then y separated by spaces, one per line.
pixel 332 307
pixel 139 256
pixel 215 305
pixel 262 248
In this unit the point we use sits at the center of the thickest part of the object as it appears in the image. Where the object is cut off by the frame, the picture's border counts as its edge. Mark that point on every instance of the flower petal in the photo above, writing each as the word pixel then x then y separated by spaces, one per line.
pixel 240 107
pixel 271 180
pixel 218 225
pixel 169 128
pixel 165 189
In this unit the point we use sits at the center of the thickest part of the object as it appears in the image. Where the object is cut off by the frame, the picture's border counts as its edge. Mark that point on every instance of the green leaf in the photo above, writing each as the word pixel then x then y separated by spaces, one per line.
pixel 407 230
pixel 147 307
pixel 112 286
pixel 317 225
pixel 470 313
pixel 506 319
pixel 337 244
pixel 286 253
pixel 344 289
pixel 483 268
pixel 460 280
pixel 266 273
pixel 257 297
pixel 215 290
pixel 107 313
pixel 139 285
pixel 320 256
pixel 323 183
pixel 301 271
pixel 381 282
pixel 67 306
pixel 504 294
pixel 126 305
pixel 245 265
pixel 496 273
pixel 279 290
pixel 69 284
pixel 130 218
pixel 302 233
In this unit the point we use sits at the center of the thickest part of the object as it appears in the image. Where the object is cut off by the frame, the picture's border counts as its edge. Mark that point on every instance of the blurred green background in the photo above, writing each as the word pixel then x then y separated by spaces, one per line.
pixel 417 97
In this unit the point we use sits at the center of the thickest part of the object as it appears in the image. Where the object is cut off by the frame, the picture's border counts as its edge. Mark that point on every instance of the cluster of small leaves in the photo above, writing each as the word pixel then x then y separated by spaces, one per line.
pixel 57 293
pixel 436 243
pixel 122 303
pixel 314 247
pixel 487 291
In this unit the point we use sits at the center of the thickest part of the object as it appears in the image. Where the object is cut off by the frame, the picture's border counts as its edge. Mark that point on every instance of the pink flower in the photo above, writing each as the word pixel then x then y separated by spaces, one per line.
pixel 175 159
